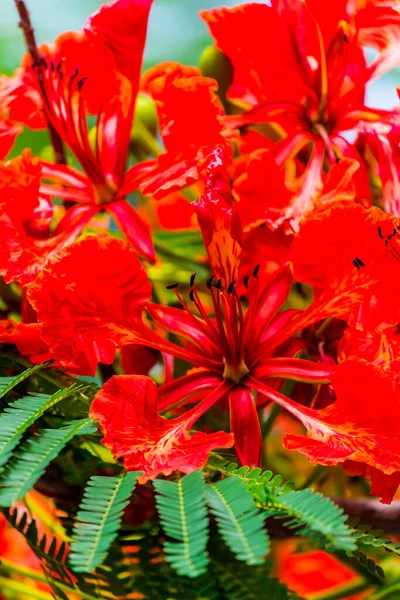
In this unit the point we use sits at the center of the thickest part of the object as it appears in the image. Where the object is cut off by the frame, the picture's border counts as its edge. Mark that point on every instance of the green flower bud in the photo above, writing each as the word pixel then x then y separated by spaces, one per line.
pixel 214 63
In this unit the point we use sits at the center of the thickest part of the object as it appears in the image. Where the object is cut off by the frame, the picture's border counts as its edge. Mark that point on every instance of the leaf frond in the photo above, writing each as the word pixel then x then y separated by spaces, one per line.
pixel 239 521
pixel 99 519
pixel 183 514
pixel 35 455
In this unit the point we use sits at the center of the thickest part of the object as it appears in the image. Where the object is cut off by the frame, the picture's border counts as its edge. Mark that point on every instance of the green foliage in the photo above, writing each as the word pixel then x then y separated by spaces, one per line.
pixel 307 512
pixel 315 517
pixel 364 535
pixel 239 521
pixel 22 413
pixel 8 383
pixel 35 455
pixel 183 514
pixel 99 519
pixel 367 538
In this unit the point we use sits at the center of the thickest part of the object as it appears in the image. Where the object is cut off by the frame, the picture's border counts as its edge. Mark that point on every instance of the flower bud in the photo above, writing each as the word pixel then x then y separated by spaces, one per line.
pixel 146 113
pixel 214 63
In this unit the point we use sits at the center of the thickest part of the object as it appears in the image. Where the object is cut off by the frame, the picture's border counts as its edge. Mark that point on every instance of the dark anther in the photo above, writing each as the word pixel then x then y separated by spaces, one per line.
pixel 58 67
pixel 337 160
pixel 380 233
pixel 172 286
pixel 231 287
pixel 346 39
pixel 262 225
pixel 36 64
pixel 256 270
pixel 246 281
pixel 81 82
pixel 357 262
pixel 218 284
pixel 75 74
pixel 43 63
pixel 191 294
pixel 386 242
pixel 192 278
pixel 52 65
pixel 210 281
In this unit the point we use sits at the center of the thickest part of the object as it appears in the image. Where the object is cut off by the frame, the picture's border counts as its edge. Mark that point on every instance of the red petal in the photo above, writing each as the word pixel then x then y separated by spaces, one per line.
pixel 245 426
pixel 126 409
pixel 247 34
pixel 135 230
pixel 8 133
pixel 179 389
pixel 218 222
pixel 172 86
pixel 297 369
pixel 89 301
pixel 27 338
pixel 120 27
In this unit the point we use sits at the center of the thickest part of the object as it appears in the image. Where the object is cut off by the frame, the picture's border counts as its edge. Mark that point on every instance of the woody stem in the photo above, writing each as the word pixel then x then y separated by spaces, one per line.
pixel 30 41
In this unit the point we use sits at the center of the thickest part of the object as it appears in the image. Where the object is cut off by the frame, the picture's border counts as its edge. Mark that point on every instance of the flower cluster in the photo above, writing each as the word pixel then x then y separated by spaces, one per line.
pixel 232 230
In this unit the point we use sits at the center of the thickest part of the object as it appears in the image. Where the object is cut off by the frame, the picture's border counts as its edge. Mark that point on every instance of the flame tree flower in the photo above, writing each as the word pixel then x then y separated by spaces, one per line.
pixel 235 352
pixel 303 72
pixel 97 72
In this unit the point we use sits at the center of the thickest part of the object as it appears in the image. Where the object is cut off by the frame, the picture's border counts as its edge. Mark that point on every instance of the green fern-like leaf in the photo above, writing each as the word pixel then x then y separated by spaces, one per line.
pixel 34 457
pixel 315 516
pixel 239 521
pixel 99 519
pixel 8 383
pixel 22 413
pixel 310 513
pixel 364 535
pixel 183 514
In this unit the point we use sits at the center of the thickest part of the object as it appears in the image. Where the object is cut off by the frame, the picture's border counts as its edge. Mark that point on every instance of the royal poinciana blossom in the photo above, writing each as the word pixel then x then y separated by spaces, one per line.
pixel 235 351
pixel 302 70
pixel 98 72
pixel 288 246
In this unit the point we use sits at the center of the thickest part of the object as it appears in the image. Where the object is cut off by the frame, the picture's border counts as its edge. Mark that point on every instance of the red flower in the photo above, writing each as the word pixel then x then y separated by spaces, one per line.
pixel 98 72
pixel 303 72
pixel 25 219
pixel 126 409
pixel 236 351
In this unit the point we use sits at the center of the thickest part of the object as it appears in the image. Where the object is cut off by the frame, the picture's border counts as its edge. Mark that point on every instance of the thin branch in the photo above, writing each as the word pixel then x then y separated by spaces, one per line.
pixel 29 35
